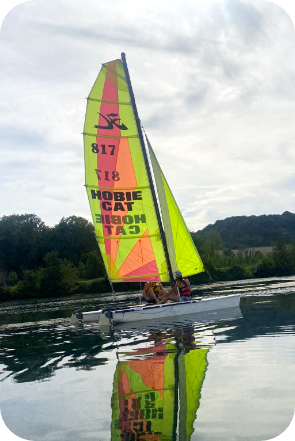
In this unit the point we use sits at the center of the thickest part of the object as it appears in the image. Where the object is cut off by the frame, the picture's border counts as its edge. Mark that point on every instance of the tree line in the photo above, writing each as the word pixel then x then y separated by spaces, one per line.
pixel 37 260
pixel 253 231
pixel 225 264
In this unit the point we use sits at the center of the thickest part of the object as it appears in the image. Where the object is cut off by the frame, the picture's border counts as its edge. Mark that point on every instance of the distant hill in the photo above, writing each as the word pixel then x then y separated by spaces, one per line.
pixel 253 231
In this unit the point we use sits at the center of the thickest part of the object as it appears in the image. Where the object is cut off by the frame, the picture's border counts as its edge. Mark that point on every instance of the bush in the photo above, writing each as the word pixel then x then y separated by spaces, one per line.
pixel 91 266
pixel 58 277
pixel 11 278
pixel 30 282
pixel 98 286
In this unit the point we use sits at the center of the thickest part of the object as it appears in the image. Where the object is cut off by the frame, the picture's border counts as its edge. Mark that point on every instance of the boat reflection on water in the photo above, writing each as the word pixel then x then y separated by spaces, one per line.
pixel 146 390
pixel 157 390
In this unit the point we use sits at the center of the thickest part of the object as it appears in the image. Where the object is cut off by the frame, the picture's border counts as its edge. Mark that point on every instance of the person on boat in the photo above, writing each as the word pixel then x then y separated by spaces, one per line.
pixel 180 292
pixel 152 291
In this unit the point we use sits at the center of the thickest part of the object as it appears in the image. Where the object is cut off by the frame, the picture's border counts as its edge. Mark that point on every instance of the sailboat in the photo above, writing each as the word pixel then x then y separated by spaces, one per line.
pixel 157 390
pixel 140 231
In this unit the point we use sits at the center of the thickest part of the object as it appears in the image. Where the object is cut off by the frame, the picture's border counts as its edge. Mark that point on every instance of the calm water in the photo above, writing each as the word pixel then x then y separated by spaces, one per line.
pixel 222 376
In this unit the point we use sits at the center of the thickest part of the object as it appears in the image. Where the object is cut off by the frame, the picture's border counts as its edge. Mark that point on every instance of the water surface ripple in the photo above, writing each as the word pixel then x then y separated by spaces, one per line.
pixel 225 375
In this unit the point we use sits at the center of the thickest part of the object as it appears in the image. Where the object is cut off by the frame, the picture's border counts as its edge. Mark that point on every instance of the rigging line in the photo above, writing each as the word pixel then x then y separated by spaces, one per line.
pixel 183 246
pixel 191 255
pixel 187 238
pixel 210 277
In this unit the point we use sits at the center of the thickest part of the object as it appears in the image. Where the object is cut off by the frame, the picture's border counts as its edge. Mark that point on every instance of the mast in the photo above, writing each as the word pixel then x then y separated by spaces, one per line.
pixel 140 135
pixel 176 394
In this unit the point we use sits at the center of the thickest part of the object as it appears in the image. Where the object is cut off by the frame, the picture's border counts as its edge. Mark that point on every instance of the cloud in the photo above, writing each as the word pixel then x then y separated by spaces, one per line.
pixel 214 86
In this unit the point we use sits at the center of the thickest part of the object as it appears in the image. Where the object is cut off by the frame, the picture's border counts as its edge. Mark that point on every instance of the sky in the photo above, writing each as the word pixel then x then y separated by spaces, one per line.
pixel 214 84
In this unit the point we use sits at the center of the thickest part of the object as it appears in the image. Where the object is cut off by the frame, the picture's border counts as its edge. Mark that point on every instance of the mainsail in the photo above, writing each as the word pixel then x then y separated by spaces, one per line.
pixel 117 183
pixel 138 240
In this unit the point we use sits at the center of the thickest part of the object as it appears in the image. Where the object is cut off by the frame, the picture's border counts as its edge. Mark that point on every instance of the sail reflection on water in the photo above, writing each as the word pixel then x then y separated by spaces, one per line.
pixel 157 391
pixel 192 368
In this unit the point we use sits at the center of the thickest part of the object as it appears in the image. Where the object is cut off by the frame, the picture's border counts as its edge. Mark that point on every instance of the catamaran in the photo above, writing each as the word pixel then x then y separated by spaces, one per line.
pixel 140 231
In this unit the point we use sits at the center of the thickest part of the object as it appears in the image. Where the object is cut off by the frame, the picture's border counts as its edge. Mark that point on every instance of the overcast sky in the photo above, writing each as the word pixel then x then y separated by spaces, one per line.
pixel 214 84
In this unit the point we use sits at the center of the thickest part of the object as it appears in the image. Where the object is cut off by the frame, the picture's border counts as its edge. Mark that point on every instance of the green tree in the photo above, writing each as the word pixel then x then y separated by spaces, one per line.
pixel 21 237
pixel 253 231
pixel 266 267
pixel 93 265
pixel 30 282
pixel 3 277
pixel 292 252
pixel 58 277
pixel 282 257
pixel 199 242
pixel 72 237
pixel 11 278
pixel 212 243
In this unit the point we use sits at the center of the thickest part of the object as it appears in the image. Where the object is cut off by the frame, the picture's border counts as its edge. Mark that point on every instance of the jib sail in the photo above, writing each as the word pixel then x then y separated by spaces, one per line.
pixel 117 183
pixel 191 371
pixel 183 254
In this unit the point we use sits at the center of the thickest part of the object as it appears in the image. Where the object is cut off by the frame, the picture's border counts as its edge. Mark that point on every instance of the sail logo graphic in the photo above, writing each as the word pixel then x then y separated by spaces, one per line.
pixel 111 121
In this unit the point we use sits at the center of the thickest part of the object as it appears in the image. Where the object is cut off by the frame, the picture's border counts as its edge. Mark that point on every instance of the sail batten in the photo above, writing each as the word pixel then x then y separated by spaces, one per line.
pixel 111 70
pixel 126 238
pixel 117 188
pixel 109 102
pixel 108 136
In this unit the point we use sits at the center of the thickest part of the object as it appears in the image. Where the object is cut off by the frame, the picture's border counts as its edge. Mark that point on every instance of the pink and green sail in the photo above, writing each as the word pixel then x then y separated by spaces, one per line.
pixel 122 204
pixel 144 396
pixel 117 183
pixel 154 389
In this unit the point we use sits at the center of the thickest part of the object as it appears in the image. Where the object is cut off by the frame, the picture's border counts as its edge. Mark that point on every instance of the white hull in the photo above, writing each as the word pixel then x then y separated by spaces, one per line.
pixel 183 320
pixel 139 312
pixel 175 309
